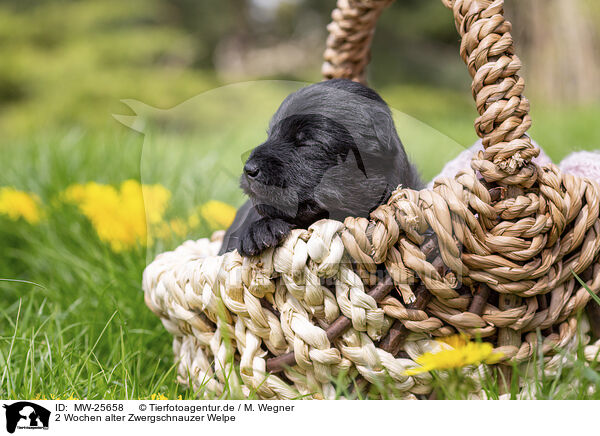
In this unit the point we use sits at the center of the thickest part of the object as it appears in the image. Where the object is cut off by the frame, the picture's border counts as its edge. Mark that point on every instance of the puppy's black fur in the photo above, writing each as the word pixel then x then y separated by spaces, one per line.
pixel 332 151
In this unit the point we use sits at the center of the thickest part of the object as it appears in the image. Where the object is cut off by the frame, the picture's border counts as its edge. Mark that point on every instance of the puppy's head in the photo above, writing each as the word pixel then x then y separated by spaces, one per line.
pixel 332 151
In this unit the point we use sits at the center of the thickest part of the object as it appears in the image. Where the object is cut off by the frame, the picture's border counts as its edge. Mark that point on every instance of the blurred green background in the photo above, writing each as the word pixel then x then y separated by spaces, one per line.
pixel 65 66
pixel 67 63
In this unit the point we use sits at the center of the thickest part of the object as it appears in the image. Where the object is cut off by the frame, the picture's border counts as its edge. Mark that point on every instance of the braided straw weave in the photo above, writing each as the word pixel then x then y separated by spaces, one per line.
pixel 490 253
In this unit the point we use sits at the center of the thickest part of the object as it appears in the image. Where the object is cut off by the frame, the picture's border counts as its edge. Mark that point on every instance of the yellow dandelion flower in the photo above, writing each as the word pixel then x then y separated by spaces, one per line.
pixel 17 204
pixel 76 193
pixel 158 397
pixel 179 227
pixel 156 199
pixel 217 214
pixel 165 230
pixel 456 353
pixel 193 220
pixel 455 341
pixel 120 216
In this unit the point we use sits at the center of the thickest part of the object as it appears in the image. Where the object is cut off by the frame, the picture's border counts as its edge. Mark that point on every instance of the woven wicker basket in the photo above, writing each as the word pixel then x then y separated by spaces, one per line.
pixel 490 253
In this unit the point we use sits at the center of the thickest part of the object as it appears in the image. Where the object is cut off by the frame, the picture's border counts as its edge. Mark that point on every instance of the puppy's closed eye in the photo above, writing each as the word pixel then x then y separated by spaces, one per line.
pixel 303 139
pixel 300 137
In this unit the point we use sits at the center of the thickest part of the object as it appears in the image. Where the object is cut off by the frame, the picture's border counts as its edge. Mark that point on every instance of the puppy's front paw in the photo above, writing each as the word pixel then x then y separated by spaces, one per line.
pixel 263 234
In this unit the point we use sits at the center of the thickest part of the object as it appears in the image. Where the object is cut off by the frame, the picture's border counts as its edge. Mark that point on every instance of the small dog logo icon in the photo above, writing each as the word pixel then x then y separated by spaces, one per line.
pixel 26 415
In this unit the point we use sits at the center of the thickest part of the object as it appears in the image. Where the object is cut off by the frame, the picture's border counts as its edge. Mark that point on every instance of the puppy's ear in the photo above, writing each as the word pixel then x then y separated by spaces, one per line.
pixel 385 132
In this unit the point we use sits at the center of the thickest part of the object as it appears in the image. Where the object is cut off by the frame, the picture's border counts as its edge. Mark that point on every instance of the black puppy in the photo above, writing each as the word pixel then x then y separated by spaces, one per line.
pixel 332 151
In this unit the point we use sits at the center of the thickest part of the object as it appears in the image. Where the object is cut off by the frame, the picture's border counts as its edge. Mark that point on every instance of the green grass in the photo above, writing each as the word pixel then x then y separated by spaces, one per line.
pixel 72 316
pixel 78 331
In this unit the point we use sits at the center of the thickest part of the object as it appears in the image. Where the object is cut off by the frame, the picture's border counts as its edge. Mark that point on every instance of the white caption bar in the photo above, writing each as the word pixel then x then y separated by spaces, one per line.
pixel 406 418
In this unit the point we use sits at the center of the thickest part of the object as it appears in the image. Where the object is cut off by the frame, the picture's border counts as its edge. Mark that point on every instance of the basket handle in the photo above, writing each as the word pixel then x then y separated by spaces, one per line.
pixel 487 49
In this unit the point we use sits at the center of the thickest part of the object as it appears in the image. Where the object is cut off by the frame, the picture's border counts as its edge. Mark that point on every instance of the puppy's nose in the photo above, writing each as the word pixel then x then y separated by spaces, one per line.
pixel 251 170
